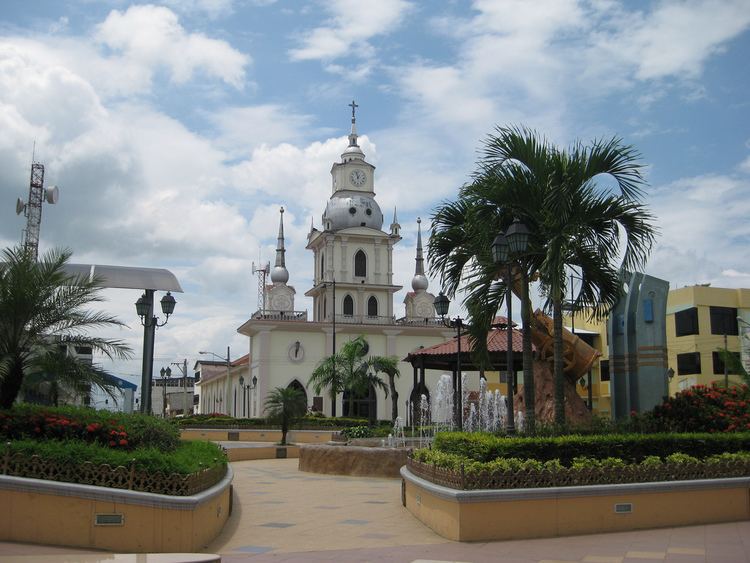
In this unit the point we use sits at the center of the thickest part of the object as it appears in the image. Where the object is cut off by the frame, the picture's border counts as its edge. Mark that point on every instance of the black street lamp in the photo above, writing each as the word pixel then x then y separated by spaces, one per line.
pixel 505 248
pixel 245 392
pixel 145 309
pixel 166 373
pixel 441 304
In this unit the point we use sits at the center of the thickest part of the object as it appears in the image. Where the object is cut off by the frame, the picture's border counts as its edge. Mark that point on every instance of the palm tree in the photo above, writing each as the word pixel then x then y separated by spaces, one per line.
pixel 41 315
pixel 574 223
pixel 284 405
pixel 389 366
pixel 351 369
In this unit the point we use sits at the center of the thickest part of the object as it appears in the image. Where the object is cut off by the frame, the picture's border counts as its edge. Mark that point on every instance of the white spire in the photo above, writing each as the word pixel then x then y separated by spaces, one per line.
pixel 395 227
pixel 419 282
pixel 353 151
pixel 280 274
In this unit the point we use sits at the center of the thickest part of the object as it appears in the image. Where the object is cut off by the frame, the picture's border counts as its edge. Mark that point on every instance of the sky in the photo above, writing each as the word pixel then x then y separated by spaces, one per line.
pixel 176 130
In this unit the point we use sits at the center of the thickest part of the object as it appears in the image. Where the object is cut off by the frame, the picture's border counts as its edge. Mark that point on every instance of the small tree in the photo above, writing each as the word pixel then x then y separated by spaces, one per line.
pixel 389 366
pixel 284 405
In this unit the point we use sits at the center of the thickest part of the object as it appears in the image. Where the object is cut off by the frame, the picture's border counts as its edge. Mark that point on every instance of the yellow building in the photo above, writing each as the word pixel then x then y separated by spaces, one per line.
pixel 698 318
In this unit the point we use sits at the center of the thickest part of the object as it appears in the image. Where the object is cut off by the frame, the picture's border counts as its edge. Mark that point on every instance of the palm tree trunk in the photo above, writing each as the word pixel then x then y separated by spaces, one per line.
pixel 333 403
pixel 394 397
pixel 284 430
pixel 10 385
pixel 529 391
pixel 371 411
pixel 559 366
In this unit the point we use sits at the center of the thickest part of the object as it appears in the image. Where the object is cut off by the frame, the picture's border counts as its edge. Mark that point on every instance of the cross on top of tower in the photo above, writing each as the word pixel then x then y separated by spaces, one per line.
pixel 354 106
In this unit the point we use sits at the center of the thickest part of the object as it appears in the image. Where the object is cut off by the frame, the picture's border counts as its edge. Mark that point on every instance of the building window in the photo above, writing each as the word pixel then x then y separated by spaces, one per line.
pixel 723 320
pixel 348 306
pixel 604 370
pixel 372 306
pixel 688 363
pixel 686 322
pixel 360 264
pixel 719 363
pixel 322 266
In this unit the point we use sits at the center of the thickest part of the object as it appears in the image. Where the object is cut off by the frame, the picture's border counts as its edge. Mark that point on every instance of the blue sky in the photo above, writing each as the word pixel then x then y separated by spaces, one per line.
pixel 175 130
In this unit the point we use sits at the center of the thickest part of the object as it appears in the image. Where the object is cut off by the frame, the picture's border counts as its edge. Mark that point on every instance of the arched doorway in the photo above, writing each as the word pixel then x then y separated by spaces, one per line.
pixel 297 385
pixel 360 405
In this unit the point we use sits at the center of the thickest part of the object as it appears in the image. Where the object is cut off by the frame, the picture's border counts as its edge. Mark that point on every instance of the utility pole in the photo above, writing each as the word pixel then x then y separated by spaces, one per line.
pixel 183 369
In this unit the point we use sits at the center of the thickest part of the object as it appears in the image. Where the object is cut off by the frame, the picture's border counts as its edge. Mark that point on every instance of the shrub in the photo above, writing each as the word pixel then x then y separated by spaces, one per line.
pixel 706 409
pixel 357 432
pixel 188 457
pixel 109 429
pixel 628 447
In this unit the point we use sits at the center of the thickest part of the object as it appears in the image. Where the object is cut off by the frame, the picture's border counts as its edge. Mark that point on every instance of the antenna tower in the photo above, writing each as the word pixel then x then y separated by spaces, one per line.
pixel 262 271
pixel 32 209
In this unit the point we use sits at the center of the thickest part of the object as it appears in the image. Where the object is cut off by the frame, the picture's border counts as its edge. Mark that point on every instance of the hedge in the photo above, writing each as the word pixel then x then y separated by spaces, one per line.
pixel 632 448
pixel 305 423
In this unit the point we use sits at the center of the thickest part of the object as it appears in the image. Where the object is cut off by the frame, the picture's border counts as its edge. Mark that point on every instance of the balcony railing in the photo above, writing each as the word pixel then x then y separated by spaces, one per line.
pixel 268 315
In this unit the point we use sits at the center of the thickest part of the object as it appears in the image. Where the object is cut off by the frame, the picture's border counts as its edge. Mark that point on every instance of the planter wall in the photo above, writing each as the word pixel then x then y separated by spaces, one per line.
pixel 67 514
pixel 352 460
pixel 486 515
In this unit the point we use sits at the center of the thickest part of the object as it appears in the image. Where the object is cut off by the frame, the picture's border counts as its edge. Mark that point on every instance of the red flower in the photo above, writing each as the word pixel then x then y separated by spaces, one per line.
pixel 112 443
pixel 123 442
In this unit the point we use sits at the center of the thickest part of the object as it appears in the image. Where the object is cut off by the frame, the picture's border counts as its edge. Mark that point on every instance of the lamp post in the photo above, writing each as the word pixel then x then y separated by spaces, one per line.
pixel 183 369
pixel 441 308
pixel 505 248
pixel 145 309
pixel 333 338
pixel 166 373
pixel 226 384
pixel 571 307
pixel 245 392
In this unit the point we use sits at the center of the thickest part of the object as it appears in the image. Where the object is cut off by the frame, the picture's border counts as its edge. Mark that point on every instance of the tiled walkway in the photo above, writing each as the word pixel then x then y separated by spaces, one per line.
pixel 281 514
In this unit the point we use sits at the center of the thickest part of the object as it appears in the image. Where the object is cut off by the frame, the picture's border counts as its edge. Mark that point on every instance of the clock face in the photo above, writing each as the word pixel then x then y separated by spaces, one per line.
pixel 358 177
pixel 296 351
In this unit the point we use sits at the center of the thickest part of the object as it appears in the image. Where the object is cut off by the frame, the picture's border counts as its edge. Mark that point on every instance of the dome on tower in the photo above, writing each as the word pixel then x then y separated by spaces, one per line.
pixel 343 212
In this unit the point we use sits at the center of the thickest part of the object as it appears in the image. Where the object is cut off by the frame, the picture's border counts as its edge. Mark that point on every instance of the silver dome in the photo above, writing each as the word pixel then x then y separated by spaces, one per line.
pixel 352 211
pixel 419 281
pixel 279 274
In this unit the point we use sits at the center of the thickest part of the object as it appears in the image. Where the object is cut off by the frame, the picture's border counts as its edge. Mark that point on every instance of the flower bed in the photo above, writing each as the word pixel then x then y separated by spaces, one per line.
pixel 706 409
pixel 458 472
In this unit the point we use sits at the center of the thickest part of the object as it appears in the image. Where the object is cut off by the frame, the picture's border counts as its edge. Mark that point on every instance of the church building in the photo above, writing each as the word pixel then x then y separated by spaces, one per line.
pixel 352 293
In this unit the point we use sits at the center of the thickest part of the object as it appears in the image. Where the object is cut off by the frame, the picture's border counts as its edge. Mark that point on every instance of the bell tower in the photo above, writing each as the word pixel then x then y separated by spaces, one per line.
pixel 352 249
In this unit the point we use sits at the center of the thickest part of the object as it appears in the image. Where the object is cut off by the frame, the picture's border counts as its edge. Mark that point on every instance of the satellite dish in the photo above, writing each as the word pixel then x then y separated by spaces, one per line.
pixel 20 206
pixel 52 194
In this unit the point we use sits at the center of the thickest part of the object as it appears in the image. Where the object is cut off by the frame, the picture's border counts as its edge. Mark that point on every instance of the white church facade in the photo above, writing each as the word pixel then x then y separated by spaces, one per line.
pixel 352 293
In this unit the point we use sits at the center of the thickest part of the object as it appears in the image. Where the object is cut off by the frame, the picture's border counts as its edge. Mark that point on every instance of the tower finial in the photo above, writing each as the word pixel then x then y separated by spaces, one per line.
pixel 353 133
pixel 280 274
pixel 419 281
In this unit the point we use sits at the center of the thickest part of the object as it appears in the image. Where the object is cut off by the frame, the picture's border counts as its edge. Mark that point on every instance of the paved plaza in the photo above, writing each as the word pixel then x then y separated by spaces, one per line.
pixel 281 514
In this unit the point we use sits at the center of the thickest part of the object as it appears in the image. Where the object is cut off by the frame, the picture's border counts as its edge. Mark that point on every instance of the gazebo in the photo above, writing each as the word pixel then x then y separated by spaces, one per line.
pixel 444 356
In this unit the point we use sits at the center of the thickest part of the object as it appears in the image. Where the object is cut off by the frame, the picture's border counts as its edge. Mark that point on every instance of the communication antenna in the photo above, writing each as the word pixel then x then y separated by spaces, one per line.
pixel 32 209
pixel 262 271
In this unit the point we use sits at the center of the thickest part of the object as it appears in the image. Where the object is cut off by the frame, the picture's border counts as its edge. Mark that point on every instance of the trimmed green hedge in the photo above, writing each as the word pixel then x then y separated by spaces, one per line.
pixel 632 448
pixel 305 423
pixel 455 462
pixel 187 457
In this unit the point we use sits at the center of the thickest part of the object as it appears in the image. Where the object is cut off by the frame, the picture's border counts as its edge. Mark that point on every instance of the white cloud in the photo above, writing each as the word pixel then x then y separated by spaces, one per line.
pixel 241 129
pixel 150 37
pixel 745 165
pixel 703 221
pixel 212 8
pixel 354 23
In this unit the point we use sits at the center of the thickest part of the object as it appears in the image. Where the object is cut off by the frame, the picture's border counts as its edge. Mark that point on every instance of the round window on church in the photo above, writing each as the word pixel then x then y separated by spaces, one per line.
pixel 368 211
pixel 352 210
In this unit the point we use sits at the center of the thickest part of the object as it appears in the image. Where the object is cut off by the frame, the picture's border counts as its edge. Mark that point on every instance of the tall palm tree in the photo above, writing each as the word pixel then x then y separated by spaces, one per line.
pixel 284 405
pixel 42 312
pixel 388 366
pixel 351 369
pixel 574 221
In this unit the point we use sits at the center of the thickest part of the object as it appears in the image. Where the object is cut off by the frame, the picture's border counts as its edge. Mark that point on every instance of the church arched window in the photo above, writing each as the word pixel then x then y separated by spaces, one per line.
pixel 348 306
pixel 322 266
pixel 372 306
pixel 360 264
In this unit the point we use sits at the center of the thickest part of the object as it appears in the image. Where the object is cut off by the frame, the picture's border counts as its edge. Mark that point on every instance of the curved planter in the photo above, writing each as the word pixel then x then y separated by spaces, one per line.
pixel 352 460
pixel 69 514
pixel 485 515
